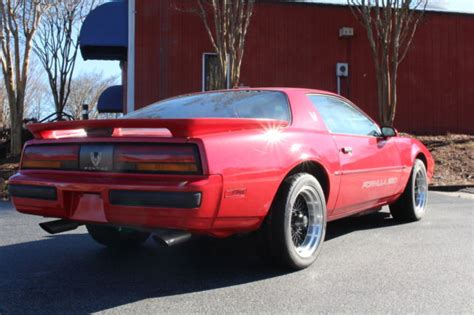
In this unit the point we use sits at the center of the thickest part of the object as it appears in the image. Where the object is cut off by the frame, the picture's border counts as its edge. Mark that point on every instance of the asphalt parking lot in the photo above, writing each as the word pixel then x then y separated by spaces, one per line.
pixel 368 264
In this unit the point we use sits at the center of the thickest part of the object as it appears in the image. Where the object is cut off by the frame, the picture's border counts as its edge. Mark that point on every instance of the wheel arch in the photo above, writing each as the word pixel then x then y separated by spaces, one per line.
pixel 421 156
pixel 315 169
pixel 419 151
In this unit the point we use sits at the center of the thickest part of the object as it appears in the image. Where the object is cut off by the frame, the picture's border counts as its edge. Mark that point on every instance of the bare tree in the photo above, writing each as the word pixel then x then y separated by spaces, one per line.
pixel 56 45
pixel 3 106
pixel 37 97
pixel 20 20
pixel 38 94
pixel 391 26
pixel 226 23
pixel 86 89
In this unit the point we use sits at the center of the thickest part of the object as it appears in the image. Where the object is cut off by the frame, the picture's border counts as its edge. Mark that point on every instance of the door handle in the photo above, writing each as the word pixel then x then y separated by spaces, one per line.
pixel 347 150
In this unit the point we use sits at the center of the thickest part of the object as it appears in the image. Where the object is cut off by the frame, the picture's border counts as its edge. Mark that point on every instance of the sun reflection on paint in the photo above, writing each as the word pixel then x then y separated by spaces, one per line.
pixel 295 147
pixel 273 135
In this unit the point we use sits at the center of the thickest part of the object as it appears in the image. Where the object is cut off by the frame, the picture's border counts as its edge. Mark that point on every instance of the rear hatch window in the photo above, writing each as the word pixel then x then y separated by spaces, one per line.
pixel 252 104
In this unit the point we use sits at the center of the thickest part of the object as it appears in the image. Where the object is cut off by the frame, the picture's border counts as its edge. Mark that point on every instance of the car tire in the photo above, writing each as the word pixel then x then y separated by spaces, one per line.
pixel 117 237
pixel 295 227
pixel 411 206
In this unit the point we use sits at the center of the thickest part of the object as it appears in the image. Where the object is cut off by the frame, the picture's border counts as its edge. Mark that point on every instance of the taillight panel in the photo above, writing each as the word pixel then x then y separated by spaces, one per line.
pixel 157 159
pixel 128 157
pixel 51 157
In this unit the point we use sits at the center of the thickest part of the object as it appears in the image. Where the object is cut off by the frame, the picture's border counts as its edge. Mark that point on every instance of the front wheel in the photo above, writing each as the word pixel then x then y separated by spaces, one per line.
pixel 296 225
pixel 117 237
pixel 411 206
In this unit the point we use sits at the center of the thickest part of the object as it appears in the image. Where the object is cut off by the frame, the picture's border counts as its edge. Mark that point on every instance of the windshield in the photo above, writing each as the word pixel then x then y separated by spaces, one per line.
pixel 231 104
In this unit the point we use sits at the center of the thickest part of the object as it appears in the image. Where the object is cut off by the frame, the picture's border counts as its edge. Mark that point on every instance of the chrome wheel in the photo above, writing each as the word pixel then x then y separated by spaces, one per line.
pixel 411 206
pixel 306 222
pixel 420 190
pixel 295 227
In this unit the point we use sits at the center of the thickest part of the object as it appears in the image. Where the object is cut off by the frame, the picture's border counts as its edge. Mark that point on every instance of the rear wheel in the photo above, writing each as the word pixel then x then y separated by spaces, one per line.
pixel 411 206
pixel 296 225
pixel 117 237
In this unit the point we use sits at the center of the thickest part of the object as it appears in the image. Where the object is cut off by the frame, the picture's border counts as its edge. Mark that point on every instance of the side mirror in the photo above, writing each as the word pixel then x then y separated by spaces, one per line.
pixel 388 132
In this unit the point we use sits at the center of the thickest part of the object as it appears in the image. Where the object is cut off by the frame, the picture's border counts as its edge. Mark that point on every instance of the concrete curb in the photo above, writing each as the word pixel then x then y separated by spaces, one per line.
pixel 452 188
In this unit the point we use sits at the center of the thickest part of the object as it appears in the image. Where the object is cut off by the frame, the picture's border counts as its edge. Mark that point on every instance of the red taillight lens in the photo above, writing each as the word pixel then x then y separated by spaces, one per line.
pixel 157 159
pixel 141 132
pixel 64 157
pixel 63 134
pixel 105 132
pixel 152 158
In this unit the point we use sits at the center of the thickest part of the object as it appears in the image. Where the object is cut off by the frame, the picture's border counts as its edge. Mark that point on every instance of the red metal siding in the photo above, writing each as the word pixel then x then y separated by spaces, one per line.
pixel 298 45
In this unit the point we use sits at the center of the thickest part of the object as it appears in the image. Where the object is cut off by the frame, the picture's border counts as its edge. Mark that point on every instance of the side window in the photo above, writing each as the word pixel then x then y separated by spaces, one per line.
pixel 342 118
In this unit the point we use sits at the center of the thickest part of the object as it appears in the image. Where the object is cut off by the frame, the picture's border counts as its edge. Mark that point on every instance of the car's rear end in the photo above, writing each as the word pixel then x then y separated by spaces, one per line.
pixel 141 173
pixel 118 177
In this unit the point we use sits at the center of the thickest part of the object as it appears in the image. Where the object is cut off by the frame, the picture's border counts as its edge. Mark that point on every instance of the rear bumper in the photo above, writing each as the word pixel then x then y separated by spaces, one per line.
pixel 33 192
pixel 187 203
pixel 160 199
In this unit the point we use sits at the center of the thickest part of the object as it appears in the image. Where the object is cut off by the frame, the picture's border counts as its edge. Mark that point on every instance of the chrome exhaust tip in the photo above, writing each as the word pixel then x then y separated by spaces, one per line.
pixel 59 226
pixel 171 237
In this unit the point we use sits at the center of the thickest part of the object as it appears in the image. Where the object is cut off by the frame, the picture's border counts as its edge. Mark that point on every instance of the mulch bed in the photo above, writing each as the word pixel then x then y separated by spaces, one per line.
pixel 454 159
pixel 8 167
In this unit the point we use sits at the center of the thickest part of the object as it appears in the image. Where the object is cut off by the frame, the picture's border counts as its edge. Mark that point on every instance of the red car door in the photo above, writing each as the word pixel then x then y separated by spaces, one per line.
pixel 370 166
pixel 370 171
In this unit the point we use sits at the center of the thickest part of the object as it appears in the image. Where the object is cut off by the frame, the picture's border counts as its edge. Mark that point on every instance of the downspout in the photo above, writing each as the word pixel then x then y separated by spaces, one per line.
pixel 131 57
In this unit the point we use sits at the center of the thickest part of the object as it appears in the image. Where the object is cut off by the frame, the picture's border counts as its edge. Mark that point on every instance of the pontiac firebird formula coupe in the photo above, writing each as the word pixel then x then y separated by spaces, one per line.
pixel 280 161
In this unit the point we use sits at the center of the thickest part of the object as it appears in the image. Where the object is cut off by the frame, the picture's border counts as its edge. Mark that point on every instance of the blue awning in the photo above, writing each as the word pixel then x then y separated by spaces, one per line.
pixel 104 33
pixel 111 100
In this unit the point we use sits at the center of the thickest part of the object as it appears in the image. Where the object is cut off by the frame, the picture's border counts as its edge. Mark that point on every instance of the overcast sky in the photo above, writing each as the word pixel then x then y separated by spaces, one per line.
pixel 455 5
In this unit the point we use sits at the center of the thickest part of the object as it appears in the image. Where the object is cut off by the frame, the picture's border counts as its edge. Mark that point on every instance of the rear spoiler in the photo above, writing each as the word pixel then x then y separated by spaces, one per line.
pixel 185 128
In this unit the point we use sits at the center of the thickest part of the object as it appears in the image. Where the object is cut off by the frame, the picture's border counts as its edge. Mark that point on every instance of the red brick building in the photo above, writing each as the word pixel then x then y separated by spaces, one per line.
pixel 164 53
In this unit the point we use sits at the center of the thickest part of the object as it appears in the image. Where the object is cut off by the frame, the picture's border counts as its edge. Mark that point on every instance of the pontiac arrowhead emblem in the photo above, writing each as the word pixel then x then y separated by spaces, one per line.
pixel 95 158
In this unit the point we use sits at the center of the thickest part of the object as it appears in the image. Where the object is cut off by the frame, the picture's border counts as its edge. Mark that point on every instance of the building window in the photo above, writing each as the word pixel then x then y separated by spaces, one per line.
pixel 210 68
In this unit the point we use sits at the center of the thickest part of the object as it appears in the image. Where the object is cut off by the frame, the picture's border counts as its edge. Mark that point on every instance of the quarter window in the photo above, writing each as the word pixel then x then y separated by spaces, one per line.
pixel 342 118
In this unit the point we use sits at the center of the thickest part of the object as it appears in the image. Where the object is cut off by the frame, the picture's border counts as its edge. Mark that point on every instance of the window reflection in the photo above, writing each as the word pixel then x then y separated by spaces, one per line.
pixel 229 104
pixel 340 117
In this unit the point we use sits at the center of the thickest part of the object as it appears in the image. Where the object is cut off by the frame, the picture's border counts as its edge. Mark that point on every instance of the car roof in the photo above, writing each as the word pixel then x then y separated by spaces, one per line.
pixel 281 89
pixel 286 90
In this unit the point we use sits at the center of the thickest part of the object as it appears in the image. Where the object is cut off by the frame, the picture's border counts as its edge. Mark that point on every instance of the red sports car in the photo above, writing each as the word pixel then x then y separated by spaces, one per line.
pixel 280 161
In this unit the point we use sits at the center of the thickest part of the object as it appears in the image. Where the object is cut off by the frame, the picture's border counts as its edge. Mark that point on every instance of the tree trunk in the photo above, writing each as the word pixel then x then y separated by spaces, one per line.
pixel 16 139
pixel 393 99
pixel 16 127
pixel 387 97
pixel 383 95
pixel 386 93
pixel 380 99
